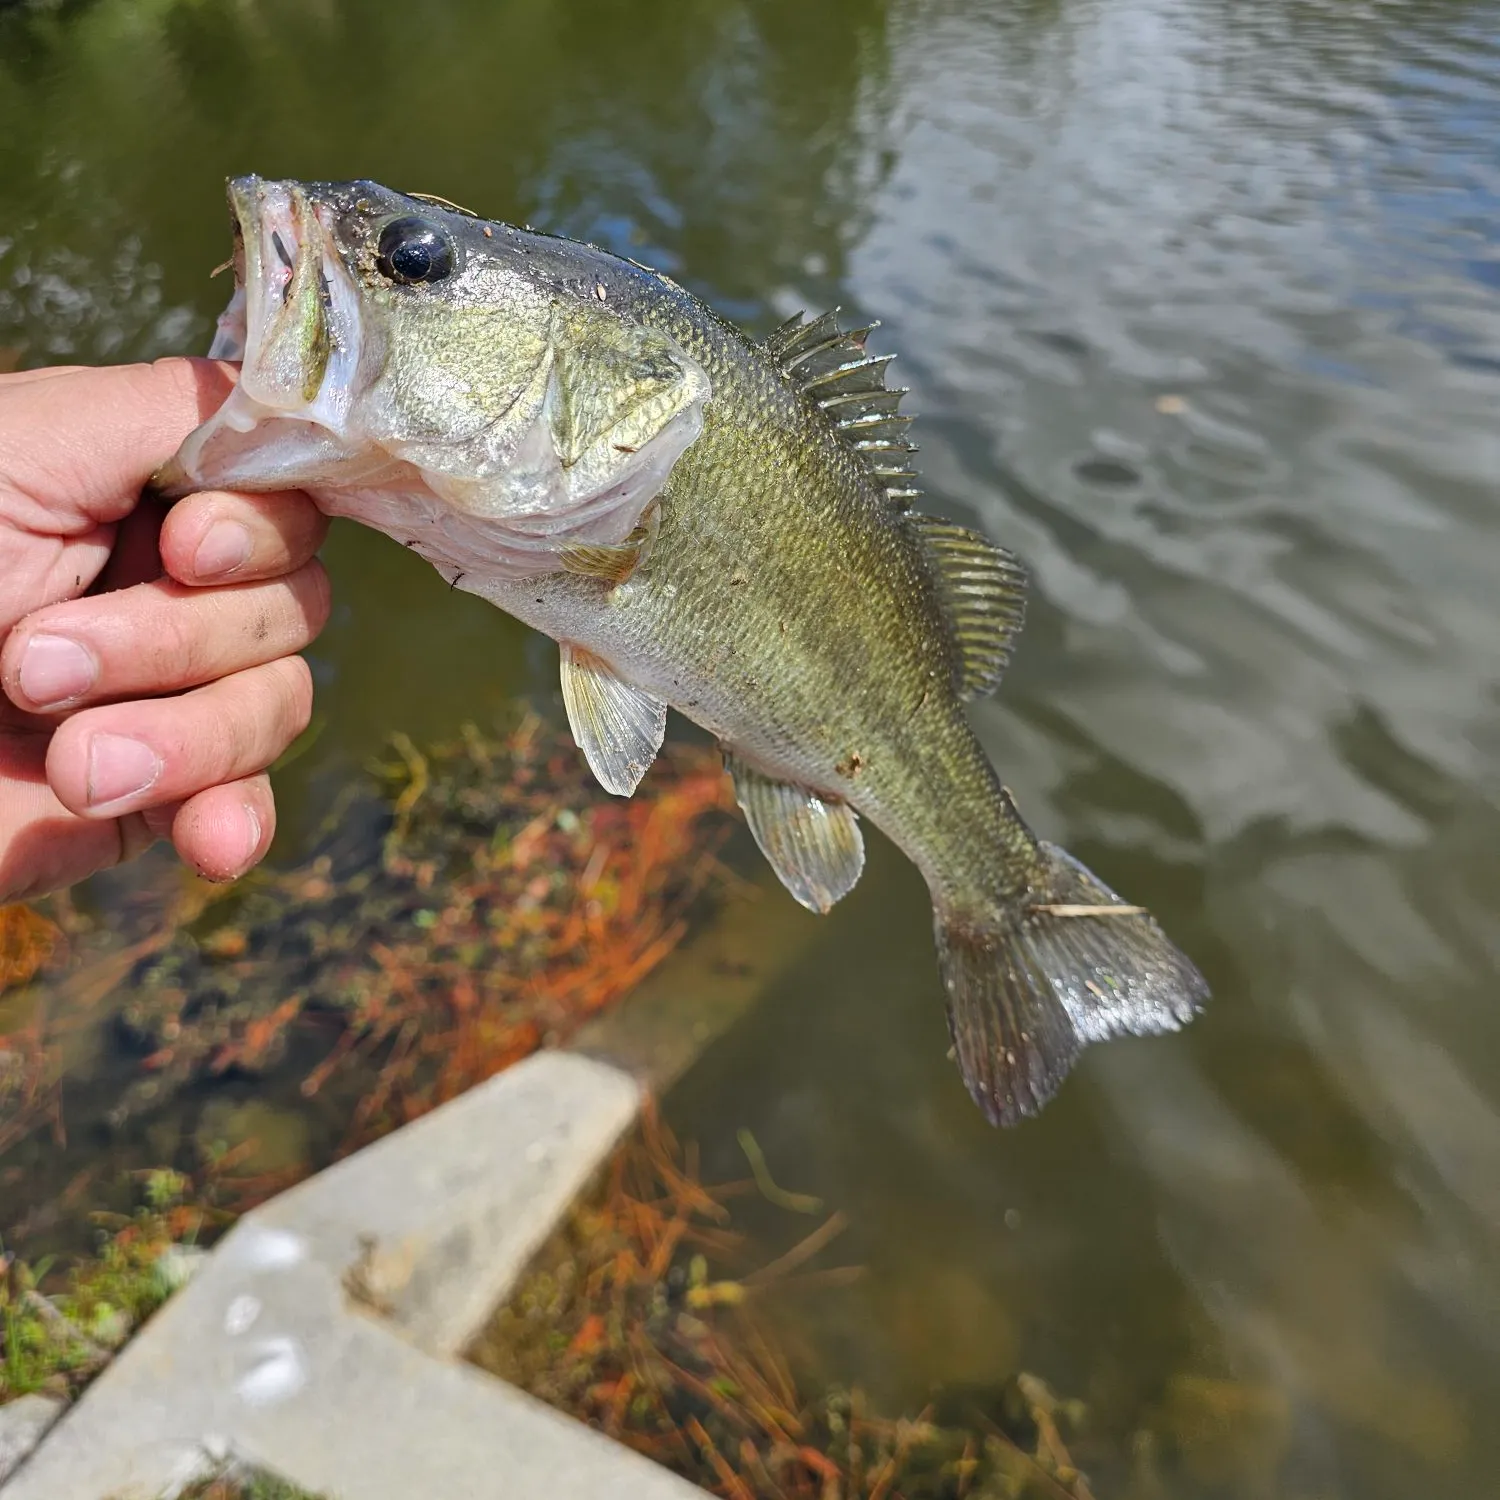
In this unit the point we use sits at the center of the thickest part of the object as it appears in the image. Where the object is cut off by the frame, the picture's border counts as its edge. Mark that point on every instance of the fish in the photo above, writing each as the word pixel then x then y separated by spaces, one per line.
pixel 726 527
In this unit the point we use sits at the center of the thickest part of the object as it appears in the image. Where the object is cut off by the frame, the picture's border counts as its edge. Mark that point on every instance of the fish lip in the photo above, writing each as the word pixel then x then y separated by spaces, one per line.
pixel 279 229
pixel 300 360
pixel 271 244
pixel 246 313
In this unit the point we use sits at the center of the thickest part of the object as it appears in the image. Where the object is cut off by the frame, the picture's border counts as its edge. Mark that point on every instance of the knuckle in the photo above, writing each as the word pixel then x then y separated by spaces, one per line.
pixel 231 735
pixel 253 719
pixel 177 648
pixel 297 692
pixel 314 593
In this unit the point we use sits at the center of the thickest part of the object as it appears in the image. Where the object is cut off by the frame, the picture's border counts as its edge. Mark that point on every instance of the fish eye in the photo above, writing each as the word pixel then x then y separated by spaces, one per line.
pixel 413 249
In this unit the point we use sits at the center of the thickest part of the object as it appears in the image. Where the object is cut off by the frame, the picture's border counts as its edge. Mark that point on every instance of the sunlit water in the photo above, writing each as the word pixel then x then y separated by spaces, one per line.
pixel 1200 303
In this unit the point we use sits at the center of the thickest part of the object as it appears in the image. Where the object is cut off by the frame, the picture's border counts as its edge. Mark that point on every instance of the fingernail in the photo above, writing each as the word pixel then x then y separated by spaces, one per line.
pixel 252 839
pixel 225 547
pixel 249 842
pixel 55 669
pixel 119 768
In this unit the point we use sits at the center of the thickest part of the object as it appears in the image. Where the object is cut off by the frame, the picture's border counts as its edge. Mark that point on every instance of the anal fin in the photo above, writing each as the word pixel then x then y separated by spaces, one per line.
pixel 618 726
pixel 813 844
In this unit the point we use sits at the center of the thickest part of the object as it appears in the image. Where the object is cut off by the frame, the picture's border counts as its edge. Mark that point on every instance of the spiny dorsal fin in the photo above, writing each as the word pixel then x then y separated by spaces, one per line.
pixel 830 367
pixel 982 588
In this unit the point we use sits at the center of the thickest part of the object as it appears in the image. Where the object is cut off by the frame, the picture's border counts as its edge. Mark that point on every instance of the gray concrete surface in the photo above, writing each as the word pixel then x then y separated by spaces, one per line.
pixel 319 1339
pixel 23 1424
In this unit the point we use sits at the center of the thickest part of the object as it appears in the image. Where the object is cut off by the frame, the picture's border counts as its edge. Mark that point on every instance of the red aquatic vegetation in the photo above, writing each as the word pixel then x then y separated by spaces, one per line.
pixel 468 904
pixel 633 1320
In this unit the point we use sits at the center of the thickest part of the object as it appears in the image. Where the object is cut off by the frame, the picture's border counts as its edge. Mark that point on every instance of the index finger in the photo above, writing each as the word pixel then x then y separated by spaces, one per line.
pixel 76 446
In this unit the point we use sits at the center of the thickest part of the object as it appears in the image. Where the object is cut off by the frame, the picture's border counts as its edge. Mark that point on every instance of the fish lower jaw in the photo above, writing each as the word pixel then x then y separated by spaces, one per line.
pixel 231 331
pixel 293 319
pixel 474 553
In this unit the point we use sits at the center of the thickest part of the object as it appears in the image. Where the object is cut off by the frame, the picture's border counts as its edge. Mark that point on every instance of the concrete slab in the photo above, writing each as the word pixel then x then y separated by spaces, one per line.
pixel 316 1341
pixel 23 1424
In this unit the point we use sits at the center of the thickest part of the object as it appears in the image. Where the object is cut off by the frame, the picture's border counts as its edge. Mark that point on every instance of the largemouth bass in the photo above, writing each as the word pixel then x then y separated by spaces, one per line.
pixel 703 522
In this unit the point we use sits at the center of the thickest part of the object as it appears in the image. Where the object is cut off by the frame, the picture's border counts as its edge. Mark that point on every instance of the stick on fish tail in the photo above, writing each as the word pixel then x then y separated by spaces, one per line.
pixel 1031 982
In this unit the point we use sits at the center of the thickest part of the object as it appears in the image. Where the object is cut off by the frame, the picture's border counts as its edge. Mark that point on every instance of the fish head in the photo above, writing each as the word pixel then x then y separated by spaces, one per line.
pixel 411 365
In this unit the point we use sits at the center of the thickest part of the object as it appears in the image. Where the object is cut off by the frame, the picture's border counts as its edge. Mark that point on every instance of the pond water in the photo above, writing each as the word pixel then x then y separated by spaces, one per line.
pixel 1200 304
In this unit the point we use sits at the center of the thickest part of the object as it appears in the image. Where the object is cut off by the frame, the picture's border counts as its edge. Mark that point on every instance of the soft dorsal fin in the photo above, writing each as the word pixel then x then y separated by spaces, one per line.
pixel 982 589
pixel 830 367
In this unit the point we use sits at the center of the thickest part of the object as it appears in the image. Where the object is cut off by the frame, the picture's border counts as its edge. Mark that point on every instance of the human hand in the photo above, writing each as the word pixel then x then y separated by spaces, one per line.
pixel 147 655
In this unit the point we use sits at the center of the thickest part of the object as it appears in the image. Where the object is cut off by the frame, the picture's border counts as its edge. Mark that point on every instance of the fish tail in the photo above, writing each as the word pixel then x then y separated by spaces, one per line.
pixel 1033 979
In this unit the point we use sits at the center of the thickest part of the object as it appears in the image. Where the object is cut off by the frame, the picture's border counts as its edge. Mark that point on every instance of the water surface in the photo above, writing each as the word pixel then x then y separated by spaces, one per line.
pixel 1200 303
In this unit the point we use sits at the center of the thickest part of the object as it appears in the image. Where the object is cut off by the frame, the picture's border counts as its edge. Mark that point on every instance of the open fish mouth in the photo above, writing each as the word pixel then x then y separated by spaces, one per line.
pixel 293 323
pixel 293 318
pixel 230 331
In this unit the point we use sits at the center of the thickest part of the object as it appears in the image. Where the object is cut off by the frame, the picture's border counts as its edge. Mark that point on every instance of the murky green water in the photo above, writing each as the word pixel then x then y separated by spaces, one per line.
pixel 1201 305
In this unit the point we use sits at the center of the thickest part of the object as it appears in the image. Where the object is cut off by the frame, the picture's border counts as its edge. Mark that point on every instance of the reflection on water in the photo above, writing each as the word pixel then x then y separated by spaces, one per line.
pixel 1201 305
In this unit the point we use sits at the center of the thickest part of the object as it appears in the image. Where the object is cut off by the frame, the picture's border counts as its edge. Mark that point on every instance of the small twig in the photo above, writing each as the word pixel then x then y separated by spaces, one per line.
pixel 1051 910
pixel 411 793
pixel 1050 1480
pixel 755 1465
pixel 798 1203
pixel 967 1464
pixel 822 1236
pixel 734 1486
pixel 893 1464
pixel 704 1389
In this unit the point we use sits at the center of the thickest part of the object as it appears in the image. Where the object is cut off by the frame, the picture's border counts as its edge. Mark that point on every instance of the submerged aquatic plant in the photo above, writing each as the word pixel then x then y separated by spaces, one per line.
pixel 633 1320
pixel 27 941
pixel 464 904
pixel 478 901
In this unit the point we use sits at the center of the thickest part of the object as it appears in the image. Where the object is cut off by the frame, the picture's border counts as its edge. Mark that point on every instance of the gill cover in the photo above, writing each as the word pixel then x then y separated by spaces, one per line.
pixel 607 410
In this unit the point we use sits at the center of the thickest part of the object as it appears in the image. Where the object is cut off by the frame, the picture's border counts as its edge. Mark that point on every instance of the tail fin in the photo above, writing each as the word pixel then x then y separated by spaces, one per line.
pixel 1029 986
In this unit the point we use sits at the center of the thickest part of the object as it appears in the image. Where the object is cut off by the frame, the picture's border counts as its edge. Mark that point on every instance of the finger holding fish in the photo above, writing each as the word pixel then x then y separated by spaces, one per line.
pixel 122 758
pixel 215 537
pixel 156 638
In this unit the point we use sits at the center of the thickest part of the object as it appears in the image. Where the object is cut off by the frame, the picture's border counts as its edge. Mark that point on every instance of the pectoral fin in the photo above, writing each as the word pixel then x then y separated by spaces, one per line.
pixel 613 565
pixel 814 845
pixel 618 726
